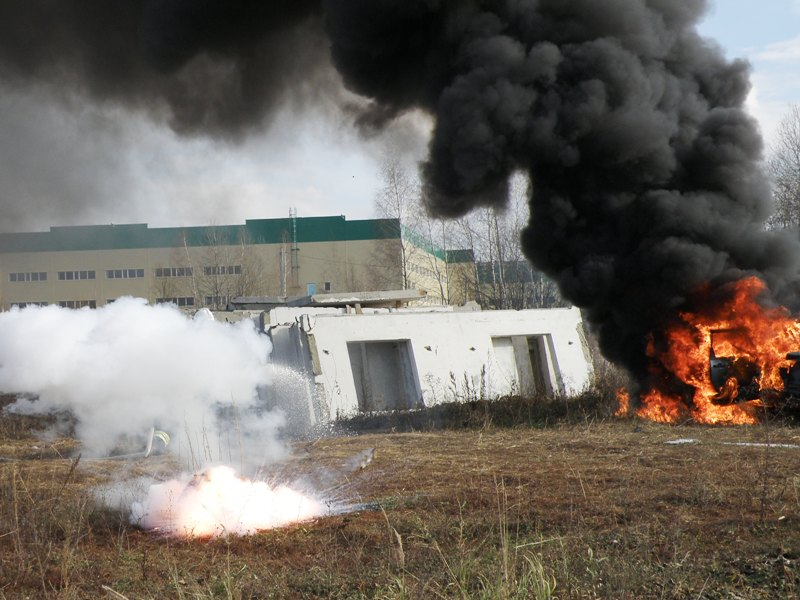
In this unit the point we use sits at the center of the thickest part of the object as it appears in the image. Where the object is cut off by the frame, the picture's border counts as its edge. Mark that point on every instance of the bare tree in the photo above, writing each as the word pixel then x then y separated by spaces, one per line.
pixel 399 198
pixel 504 279
pixel 252 279
pixel 174 279
pixel 228 269
pixel 437 236
pixel 784 168
pixel 423 240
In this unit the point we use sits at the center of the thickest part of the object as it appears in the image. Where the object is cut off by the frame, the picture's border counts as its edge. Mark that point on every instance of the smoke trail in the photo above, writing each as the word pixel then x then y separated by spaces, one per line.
pixel 127 367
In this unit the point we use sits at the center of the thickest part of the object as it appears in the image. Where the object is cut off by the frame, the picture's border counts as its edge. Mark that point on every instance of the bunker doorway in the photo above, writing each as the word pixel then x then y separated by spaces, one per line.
pixel 383 375
pixel 527 365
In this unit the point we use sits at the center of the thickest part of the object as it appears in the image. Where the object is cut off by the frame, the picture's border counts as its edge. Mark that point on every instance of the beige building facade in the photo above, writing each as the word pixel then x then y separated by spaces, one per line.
pixel 196 267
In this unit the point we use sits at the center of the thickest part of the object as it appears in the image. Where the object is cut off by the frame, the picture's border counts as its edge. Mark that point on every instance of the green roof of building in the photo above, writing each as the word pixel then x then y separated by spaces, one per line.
pixel 254 231
pixel 460 255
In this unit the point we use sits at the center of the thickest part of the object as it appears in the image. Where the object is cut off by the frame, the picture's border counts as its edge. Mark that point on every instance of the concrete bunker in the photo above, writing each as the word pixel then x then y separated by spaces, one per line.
pixel 366 355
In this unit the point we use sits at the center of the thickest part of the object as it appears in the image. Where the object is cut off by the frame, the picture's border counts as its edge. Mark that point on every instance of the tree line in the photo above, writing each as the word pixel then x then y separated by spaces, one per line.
pixel 477 256
pixel 783 167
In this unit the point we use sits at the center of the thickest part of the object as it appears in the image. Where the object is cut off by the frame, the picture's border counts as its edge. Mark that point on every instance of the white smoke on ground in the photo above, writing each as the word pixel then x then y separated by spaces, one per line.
pixel 127 367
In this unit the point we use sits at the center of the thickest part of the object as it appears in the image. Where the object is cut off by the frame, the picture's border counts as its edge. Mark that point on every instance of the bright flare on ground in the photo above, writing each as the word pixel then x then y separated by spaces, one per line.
pixel 217 502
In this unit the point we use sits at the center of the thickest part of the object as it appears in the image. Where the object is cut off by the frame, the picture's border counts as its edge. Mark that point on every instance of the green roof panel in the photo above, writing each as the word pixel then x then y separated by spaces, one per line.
pixel 254 231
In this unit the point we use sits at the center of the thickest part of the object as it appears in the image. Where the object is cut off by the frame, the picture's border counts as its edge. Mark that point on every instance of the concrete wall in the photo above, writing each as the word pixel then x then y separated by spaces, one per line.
pixel 437 356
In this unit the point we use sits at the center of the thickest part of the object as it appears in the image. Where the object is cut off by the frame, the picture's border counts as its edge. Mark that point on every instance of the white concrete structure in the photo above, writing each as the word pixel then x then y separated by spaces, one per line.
pixel 398 359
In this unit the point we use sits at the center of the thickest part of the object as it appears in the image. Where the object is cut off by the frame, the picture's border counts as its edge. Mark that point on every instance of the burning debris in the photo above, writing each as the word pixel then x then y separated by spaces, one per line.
pixel 723 361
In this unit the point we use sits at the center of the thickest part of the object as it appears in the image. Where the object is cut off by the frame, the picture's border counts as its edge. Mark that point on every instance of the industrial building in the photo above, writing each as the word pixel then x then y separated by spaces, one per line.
pixel 207 266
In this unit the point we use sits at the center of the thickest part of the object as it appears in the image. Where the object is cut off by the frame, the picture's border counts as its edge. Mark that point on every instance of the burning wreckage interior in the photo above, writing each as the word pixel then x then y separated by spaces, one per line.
pixel 731 362
pixel 737 378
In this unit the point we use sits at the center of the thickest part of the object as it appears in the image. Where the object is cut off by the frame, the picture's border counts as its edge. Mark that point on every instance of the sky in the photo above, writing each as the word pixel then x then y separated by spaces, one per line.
pixel 767 34
pixel 315 162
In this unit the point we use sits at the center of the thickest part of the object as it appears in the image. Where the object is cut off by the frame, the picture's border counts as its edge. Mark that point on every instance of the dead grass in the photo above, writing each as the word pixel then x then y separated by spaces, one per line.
pixel 589 508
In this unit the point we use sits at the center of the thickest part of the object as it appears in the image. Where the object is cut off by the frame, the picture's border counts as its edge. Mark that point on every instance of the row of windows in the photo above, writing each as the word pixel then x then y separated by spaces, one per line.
pixel 75 275
pixel 420 270
pixel 217 300
pixel 174 272
pixel 124 273
pixel 223 270
pixel 35 276
pixel 179 301
pixel 77 303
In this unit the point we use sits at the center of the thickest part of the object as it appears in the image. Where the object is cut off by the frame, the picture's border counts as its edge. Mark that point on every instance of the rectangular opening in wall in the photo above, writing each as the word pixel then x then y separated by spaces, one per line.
pixel 525 365
pixel 383 375
pixel 540 381
pixel 505 358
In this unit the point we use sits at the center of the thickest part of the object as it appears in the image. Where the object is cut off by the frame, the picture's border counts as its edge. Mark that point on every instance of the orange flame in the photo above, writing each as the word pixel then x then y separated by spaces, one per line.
pixel 761 335
pixel 217 502
pixel 624 399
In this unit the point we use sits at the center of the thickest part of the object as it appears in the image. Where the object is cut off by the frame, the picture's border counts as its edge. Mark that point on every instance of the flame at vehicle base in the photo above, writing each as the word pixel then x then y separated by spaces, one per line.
pixel 217 502
pixel 680 384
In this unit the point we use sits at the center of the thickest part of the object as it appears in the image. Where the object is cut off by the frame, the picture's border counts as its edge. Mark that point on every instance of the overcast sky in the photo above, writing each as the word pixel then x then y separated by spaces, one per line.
pixel 69 162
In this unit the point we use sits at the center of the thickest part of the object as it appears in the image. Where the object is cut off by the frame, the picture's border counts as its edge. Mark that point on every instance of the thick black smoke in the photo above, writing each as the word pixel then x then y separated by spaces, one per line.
pixel 644 165
pixel 208 66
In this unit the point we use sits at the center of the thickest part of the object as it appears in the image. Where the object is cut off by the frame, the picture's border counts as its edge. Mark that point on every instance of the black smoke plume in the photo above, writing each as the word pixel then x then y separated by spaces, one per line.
pixel 208 66
pixel 645 168
pixel 644 165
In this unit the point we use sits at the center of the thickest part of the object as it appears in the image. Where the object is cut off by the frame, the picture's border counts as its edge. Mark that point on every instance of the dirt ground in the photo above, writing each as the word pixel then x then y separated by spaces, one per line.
pixel 606 509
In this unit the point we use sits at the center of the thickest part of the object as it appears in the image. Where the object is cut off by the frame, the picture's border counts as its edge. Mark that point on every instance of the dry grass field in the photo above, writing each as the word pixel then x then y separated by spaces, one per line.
pixel 570 507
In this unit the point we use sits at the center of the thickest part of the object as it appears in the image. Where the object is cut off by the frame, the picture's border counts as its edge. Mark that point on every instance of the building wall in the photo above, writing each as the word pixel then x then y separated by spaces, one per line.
pixel 273 257
pixel 427 270
pixel 461 278
pixel 451 355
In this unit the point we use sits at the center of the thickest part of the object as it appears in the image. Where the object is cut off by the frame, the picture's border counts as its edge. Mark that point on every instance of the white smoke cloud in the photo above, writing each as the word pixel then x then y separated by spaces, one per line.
pixel 128 366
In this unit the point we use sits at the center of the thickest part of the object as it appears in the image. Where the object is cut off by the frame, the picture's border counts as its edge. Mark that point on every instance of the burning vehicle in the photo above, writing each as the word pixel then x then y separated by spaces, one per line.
pixel 726 362
pixel 737 379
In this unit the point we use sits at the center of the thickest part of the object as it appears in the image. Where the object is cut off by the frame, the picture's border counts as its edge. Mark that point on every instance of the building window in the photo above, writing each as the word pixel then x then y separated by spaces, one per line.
pixel 217 300
pixel 326 286
pixel 179 301
pixel 24 304
pixel 174 272
pixel 420 270
pixel 77 303
pixel 34 276
pixel 124 273
pixel 223 270
pixel 75 275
